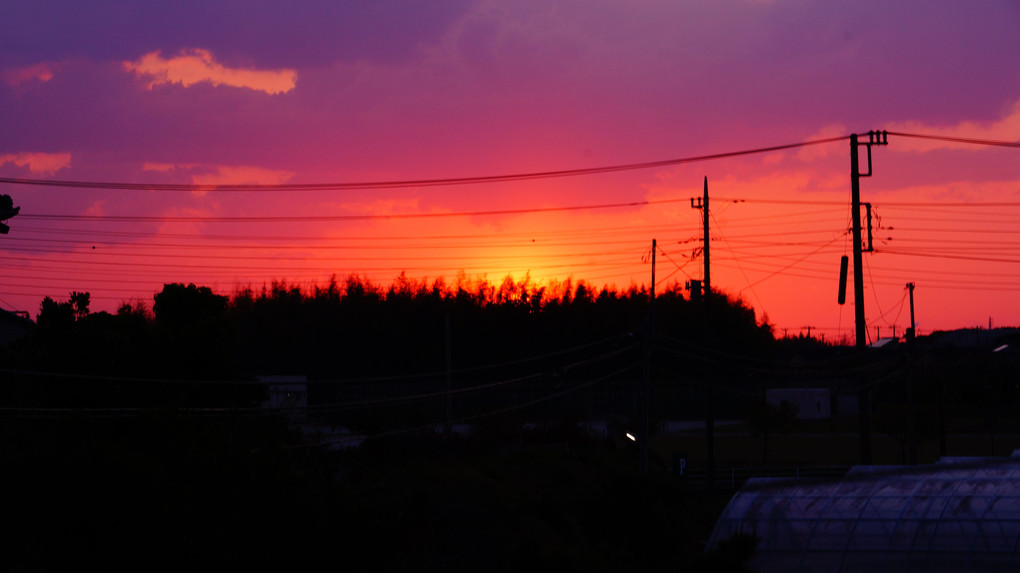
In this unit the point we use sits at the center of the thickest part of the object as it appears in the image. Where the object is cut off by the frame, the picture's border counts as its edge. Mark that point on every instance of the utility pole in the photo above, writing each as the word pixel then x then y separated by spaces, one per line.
pixel 705 242
pixel 706 295
pixel 863 396
pixel 449 374
pixel 874 138
pixel 911 399
pixel 913 326
pixel 647 377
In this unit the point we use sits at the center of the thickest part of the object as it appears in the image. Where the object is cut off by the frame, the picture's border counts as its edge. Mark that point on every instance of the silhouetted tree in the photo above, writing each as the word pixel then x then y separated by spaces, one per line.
pixel 192 331
pixel 54 314
pixel 80 304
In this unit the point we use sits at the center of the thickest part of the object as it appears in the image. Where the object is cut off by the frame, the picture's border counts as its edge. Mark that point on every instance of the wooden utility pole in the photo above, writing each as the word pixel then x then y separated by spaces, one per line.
pixel 855 214
pixel 913 326
pixel 863 395
pixel 647 374
pixel 449 373
pixel 911 399
pixel 710 419
pixel 705 242
pixel 706 306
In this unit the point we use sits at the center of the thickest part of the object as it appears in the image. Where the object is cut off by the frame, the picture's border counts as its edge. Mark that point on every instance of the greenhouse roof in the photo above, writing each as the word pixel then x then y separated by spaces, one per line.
pixel 959 514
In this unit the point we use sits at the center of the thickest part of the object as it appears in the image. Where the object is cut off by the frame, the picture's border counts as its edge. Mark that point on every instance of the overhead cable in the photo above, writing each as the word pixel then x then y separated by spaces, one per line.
pixel 442 182
pixel 990 142
pixel 322 218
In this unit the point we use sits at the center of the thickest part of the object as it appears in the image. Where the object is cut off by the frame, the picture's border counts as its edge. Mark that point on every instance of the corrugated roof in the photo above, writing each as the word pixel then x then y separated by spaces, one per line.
pixel 960 514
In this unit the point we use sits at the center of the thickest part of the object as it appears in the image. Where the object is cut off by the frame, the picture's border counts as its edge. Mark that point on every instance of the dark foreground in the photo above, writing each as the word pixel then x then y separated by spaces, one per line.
pixel 169 491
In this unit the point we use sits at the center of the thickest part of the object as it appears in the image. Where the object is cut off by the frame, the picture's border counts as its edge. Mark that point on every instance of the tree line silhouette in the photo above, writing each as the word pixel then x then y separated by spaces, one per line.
pixel 419 352
pixel 347 330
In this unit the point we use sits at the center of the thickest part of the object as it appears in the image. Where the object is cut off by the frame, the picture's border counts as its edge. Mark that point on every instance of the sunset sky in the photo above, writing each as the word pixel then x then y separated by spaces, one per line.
pixel 317 92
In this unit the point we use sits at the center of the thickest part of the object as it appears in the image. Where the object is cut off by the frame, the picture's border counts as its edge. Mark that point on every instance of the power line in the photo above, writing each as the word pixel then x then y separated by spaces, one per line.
pixel 327 407
pixel 814 252
pixel 304 239
pixel 299 269
pixel 16 246
pixel 511 408
pixel 749 286
pixel 346 258
pixel 914 205
pixel 333 218
pixel 988 142
pixel 949 256
pixel 441 182
pixel 325 218
pixel 395 378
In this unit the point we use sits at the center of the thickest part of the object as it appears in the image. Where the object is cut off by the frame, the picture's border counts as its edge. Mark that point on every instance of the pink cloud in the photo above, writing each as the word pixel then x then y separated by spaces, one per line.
pixel 383 207
pixel 166 167
pixel 42 72
pixel 1005 128
pixel 190 67
pixel 97 209
pixel 819 151
pixel 242 174
pixel 38 163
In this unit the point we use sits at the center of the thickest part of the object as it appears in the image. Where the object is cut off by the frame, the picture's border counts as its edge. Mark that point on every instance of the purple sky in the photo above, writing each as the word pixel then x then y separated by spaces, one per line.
pixel 306 92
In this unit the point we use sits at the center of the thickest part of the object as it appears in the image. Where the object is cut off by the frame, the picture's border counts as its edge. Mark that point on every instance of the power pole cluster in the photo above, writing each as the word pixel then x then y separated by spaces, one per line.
pixel 703 290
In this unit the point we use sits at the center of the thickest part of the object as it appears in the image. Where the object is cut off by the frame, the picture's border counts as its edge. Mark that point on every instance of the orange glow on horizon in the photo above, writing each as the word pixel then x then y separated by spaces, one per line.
pixel 779 226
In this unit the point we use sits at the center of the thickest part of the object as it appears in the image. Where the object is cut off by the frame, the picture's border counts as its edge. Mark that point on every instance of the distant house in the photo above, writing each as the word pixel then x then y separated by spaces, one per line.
pixel 884 342
pixel 13 325
pixel 287 394
pixel 811 403
pixel 974 337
